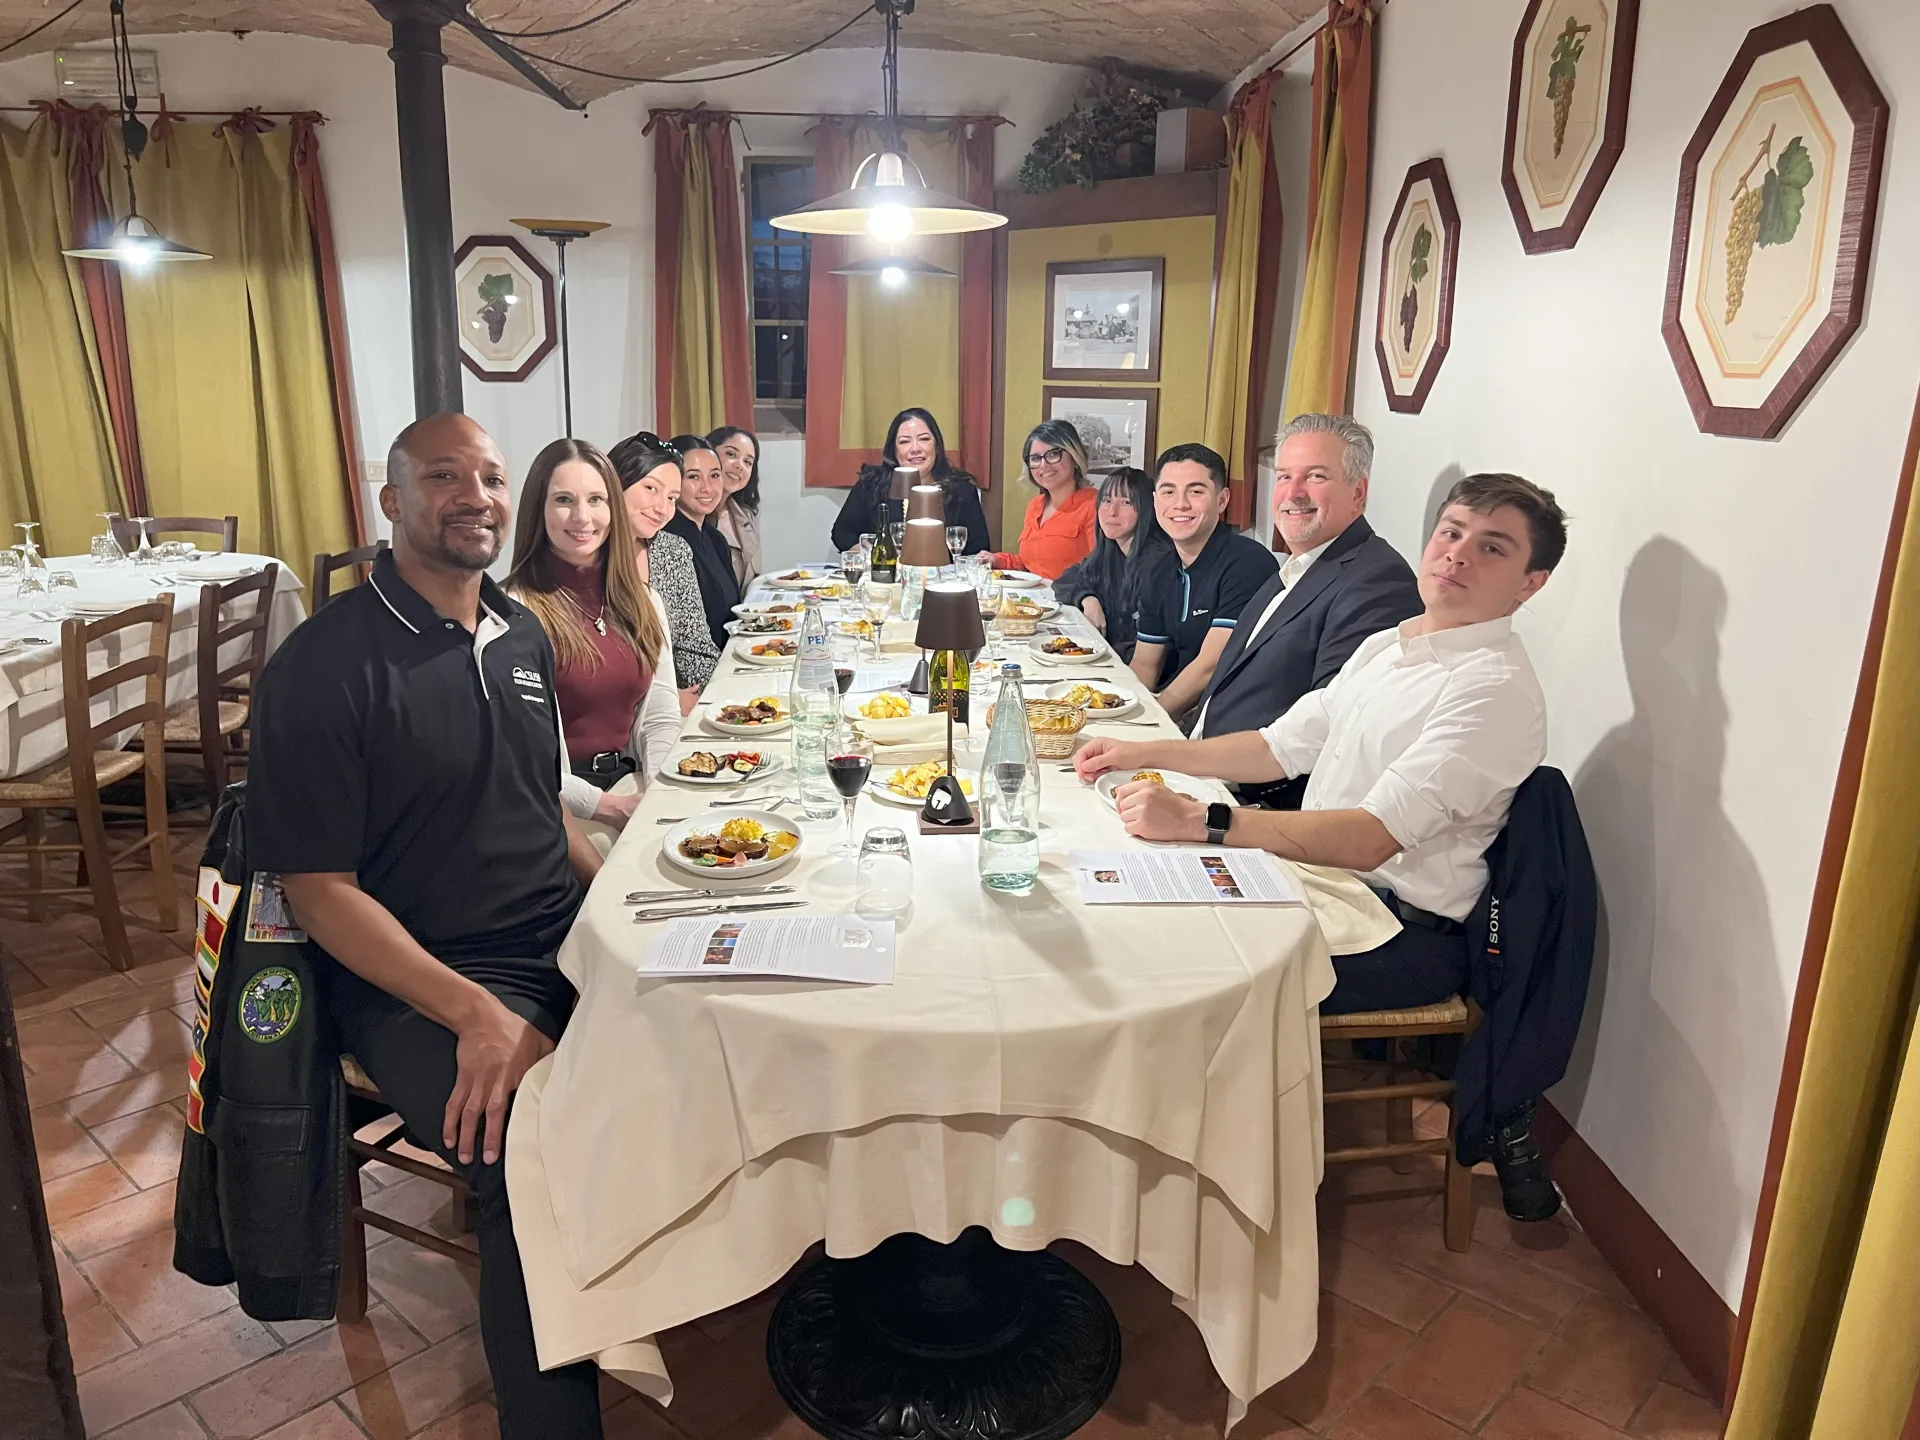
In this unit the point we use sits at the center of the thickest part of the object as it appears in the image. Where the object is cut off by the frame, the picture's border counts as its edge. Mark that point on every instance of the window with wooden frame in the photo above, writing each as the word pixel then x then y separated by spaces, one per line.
pixel 777 271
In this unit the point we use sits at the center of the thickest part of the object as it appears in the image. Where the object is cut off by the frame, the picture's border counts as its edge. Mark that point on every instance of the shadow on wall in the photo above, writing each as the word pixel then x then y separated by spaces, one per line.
pixel 1686 982
pixel 1443 484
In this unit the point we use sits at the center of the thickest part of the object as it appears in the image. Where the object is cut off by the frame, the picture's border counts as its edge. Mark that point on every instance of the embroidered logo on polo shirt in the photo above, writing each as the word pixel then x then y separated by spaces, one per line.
pixel 270 1004
pixel 529 678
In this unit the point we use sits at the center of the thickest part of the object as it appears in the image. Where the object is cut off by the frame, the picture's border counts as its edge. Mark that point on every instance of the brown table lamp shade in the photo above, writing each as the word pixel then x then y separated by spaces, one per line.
pixel 905 477
pixel 927 502
pixel 926 543
pixel 949 618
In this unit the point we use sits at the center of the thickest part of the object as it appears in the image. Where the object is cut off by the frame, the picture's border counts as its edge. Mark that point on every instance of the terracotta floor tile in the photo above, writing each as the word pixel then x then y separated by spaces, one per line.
pixel 638 1418
pixel 1499 1277
pixel 1355 1345
pixel 105 1067
pixel 21 982
pixel 95 1337
pixel 1369 1216
pixel 1604 1362
pixel 72 990
pixel 152 1298
pixel 57 1041
pixel 421 1203
pixel 292 1332
pixel 62 1146
pixel 1528 1415
pixel 1559 1247
pixel 79 1191
pixel 76 1293
pixel 146 1145
pixel 50 941
pixel 329 1422
pixel 126 1097
pixel 1464 1361
pixel 160 1373
pixel 435 1295
pixel 172 960
pixel 1167 1386
pixel 1672 1414
pixel 722 1323
pixel 1382 1415
pixel 722 1382
pixel 151 1041
pixel 172 1423
pixel 119 1222
pixel 437 1382
pixel 1677 1373
pixel 476 1422
pixel 138 999
pixel 1392 1291
pixel 281 1387
pixel 1140 1302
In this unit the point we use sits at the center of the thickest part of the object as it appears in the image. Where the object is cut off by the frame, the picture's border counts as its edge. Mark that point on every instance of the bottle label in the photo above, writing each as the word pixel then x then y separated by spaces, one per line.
pixel 943 697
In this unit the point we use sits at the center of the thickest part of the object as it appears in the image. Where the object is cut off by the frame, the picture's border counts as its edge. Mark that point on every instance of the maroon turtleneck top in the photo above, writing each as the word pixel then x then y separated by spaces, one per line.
pixel 597 704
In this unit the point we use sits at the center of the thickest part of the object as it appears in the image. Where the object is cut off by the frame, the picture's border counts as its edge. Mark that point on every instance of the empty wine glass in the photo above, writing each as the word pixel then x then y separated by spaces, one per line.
pixel 33 580
pixel 878 603
pixel 146 554
pixel 30 552
pixel 956 540
pixel 105 548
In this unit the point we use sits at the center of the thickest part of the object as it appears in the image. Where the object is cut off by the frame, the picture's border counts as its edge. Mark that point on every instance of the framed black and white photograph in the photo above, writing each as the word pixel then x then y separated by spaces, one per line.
pixel 1103 319
pixel 504 298
pixel 1119 425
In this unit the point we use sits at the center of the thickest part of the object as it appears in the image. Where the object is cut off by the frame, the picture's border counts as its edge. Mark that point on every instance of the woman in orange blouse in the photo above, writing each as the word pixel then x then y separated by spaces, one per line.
pixel 1062 520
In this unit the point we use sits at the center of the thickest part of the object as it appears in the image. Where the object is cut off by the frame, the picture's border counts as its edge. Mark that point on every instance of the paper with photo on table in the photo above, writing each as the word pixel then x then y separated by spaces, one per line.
pixel 1213 875
pixel 886 675
pixel 805 947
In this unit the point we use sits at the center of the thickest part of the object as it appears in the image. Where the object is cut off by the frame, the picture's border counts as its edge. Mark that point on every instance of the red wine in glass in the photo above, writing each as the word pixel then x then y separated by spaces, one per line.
pixel 849 773
pixel 843 677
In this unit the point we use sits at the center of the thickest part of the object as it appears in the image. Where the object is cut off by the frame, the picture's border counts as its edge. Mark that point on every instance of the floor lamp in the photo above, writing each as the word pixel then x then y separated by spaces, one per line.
pixel 560 232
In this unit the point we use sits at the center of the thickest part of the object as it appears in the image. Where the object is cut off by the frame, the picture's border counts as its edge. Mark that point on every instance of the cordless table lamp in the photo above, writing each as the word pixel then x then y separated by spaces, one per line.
pixel 927 502
pixel 949 623
pixel 922 552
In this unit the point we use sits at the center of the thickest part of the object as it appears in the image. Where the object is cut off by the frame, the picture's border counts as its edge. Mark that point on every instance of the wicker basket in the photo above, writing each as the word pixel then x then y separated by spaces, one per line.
pixel 1056 727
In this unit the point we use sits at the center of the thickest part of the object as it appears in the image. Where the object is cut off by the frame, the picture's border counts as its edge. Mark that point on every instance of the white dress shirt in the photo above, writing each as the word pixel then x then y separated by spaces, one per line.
pixel 1290 572
pixel 1430 735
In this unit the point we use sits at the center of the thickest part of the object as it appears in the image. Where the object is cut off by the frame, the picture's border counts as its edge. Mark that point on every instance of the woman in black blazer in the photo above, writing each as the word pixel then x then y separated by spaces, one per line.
pixel 702 492
pixel 913 439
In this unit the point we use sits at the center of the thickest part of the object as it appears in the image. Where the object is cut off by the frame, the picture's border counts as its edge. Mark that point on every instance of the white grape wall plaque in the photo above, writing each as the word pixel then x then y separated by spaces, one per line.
pixel 1418 257
pixel 504 300
pixel 1773 230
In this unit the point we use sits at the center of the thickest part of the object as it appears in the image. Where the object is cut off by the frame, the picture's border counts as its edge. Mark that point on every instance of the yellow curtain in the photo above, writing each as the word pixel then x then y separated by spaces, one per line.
pixel 903 346
pixel 1830 1351
pixel 702 339
pixel 698 383
pixel 229 356
pixel 1232 407
pixel 56 455
pixel 1320 372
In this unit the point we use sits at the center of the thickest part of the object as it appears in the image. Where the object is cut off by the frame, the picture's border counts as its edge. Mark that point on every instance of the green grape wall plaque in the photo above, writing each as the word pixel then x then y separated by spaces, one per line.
pixel 1417 263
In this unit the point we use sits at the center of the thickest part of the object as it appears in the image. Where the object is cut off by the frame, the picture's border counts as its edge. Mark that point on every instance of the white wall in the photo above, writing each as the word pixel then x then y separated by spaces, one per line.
pixel 513 152
pixel 1699 646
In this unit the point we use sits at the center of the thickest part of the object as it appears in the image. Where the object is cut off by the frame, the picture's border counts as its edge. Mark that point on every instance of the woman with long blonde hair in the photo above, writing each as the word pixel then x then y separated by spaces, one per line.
pixel 575 567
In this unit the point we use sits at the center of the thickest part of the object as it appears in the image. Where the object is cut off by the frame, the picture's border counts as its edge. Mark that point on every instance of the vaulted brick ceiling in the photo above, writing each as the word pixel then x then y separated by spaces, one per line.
pixel 1207 40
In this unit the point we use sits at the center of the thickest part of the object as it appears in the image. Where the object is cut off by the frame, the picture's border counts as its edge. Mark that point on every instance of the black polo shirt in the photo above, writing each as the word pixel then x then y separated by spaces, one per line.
pixel 1179 603
pixel 390 742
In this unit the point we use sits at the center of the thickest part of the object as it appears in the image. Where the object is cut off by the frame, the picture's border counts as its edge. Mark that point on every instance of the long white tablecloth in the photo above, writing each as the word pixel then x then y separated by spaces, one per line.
pixel 32 708
pixel 1143 1080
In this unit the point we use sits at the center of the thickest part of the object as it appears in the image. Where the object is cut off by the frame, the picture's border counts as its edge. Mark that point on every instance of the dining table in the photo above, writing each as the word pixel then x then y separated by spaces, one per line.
pixel 1144 1080
pixel 33 728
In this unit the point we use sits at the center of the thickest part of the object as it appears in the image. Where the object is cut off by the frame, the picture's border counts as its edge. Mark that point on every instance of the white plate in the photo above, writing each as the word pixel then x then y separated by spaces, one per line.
pixel 1187 785
pixel 215 570
pixel 1096 651
pixel 771 727
pixel 1131 705
pixel 1043 609
pixel 807 577
pixel 741 627
pixel 769 763
pixel 850 707
pixel 1018 579
pixel 743 650
pixel 792 611
pixel 878 789
pixel 710 823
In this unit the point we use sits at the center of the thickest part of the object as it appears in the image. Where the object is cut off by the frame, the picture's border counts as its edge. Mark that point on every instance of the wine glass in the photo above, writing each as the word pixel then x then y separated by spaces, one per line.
pixel 956 540
pixel 877 604
pixel 846 655
pixel 30 552
pixel 33 580
pixel 849 763
pixel 105 548
pixel 146 554
pixel 853 564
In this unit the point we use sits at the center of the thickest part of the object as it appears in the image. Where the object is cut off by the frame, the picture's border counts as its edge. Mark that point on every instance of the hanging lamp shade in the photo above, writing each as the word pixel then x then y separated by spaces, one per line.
pixel 890 201
pixel 134 242
pixel 894 271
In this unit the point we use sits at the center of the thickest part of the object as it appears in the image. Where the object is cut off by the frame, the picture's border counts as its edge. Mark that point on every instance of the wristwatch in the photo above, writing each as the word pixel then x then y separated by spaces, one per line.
pixel 1219 817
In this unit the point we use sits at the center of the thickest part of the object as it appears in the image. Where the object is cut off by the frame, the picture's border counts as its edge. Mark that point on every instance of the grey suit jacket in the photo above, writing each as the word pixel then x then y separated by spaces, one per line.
pixel 1359 587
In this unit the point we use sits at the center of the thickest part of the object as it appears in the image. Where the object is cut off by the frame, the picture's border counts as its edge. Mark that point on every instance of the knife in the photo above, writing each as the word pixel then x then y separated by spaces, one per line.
pixel 655 897
pixel 718 909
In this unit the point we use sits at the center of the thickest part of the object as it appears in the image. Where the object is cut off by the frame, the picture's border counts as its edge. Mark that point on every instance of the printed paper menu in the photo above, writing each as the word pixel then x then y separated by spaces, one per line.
pixel 807 947
pixel 1214 876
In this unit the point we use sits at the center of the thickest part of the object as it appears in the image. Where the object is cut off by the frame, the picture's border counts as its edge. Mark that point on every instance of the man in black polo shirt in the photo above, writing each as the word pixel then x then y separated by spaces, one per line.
pixel 1189 604
pixel 405 783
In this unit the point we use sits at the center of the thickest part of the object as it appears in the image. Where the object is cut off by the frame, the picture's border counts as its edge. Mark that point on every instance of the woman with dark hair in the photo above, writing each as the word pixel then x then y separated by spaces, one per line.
pixel 1060 527
pixel 1106 585
pixel 574 567
pixel 913 439
pixel 650 480
pixel 703 491
pixel 739 516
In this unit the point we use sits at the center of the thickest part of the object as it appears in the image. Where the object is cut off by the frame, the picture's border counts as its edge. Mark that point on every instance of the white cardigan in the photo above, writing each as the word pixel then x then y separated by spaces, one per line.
pixel 656 728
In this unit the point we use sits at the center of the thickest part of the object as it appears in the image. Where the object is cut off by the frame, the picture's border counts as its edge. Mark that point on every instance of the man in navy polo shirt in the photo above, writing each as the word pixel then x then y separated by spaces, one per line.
pixel 404 782
pixel 1188 606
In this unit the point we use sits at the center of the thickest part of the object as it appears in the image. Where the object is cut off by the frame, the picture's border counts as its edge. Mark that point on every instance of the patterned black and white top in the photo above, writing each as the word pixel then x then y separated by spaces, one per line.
pixel 670 571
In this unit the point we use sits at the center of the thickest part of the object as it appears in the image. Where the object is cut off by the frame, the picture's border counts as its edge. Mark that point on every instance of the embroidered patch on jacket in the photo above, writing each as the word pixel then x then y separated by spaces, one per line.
pixel 214 901
pixel 269 917
pixel 270 1004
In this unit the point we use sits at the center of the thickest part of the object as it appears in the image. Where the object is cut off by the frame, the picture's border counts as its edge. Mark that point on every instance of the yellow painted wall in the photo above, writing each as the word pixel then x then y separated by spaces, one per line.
pixel 1186 244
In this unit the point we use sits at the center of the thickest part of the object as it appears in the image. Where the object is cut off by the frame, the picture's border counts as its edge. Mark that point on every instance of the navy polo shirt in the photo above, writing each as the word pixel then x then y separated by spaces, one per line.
pixel 1179 603
pixel 392 743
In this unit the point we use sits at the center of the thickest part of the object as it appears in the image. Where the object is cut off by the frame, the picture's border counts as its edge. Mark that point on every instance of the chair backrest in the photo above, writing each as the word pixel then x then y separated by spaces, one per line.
pixel 80 687
pixel 227 527
pixel 325 565
pixel 217 633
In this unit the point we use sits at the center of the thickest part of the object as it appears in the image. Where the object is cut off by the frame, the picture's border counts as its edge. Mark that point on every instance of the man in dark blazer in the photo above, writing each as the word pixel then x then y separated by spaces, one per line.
pixel 1339 584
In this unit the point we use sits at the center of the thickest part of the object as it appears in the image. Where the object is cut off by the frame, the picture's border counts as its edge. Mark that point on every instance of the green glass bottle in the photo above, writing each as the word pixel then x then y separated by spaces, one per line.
pixel 948 679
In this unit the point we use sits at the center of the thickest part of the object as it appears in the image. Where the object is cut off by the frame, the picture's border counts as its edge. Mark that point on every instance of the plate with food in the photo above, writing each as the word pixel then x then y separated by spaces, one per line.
pixel 886 705
pixel 1019 579
pixel 1101 702
pixel 766 649
pixel 804 578
pixel 1026 607
pixel 792 609
pixel 1066 649
pixel 732 842
pixel 908 784
pixel 762 715
pixel 1204 791
pixel 829 590
pixel 721 767
pixel 764 625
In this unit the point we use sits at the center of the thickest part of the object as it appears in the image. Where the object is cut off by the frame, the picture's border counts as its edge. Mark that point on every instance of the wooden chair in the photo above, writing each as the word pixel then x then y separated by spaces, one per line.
pixel 75 781
pixel 209 724
pixel 324 566
pixel 127 534
pixel 356 1218
pixel 1450 1017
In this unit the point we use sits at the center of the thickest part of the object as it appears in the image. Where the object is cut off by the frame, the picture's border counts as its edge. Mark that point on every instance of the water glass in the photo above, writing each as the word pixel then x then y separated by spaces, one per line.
pixel 956 540
pixel 178 550
pixel 11 564
pixel 884 890
pixel 62 580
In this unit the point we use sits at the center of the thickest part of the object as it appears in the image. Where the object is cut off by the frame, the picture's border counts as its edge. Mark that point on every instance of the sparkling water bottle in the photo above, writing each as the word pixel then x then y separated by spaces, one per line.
pixel 815 702
pixel 1010 794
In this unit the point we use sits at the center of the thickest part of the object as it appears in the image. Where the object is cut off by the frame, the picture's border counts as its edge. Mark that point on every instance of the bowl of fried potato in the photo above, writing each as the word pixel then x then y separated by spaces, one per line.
pixel 908 785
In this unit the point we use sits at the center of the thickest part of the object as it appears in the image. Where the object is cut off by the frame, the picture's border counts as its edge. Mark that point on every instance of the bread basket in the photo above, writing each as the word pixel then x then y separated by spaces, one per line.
pixel 1056 727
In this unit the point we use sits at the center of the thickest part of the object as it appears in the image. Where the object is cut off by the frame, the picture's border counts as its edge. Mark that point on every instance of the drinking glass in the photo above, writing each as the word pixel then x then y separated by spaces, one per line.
pixel 10 565
pixel 853 563
pixel 146 554
pixel 846 655
pixel 178 550
pixel 877 606
pixel 849 763
pixel 884 890
pixel 956 540
pixel 105 549
pixel 62 580
pixel 33 580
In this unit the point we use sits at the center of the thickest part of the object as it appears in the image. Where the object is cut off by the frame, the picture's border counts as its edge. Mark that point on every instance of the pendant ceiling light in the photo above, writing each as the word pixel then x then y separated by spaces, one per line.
pixel 889 198
pixel 133 241
pixel 893 271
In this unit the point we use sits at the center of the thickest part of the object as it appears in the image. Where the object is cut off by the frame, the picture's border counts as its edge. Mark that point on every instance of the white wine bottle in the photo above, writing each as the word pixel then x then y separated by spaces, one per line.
pixel 948 678
pixel 884 567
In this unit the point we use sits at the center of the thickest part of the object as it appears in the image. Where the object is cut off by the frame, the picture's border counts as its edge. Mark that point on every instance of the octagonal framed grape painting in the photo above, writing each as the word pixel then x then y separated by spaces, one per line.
pixel 504 298
pixel 1418 257
pixel 1566 114
pixel 1773 228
